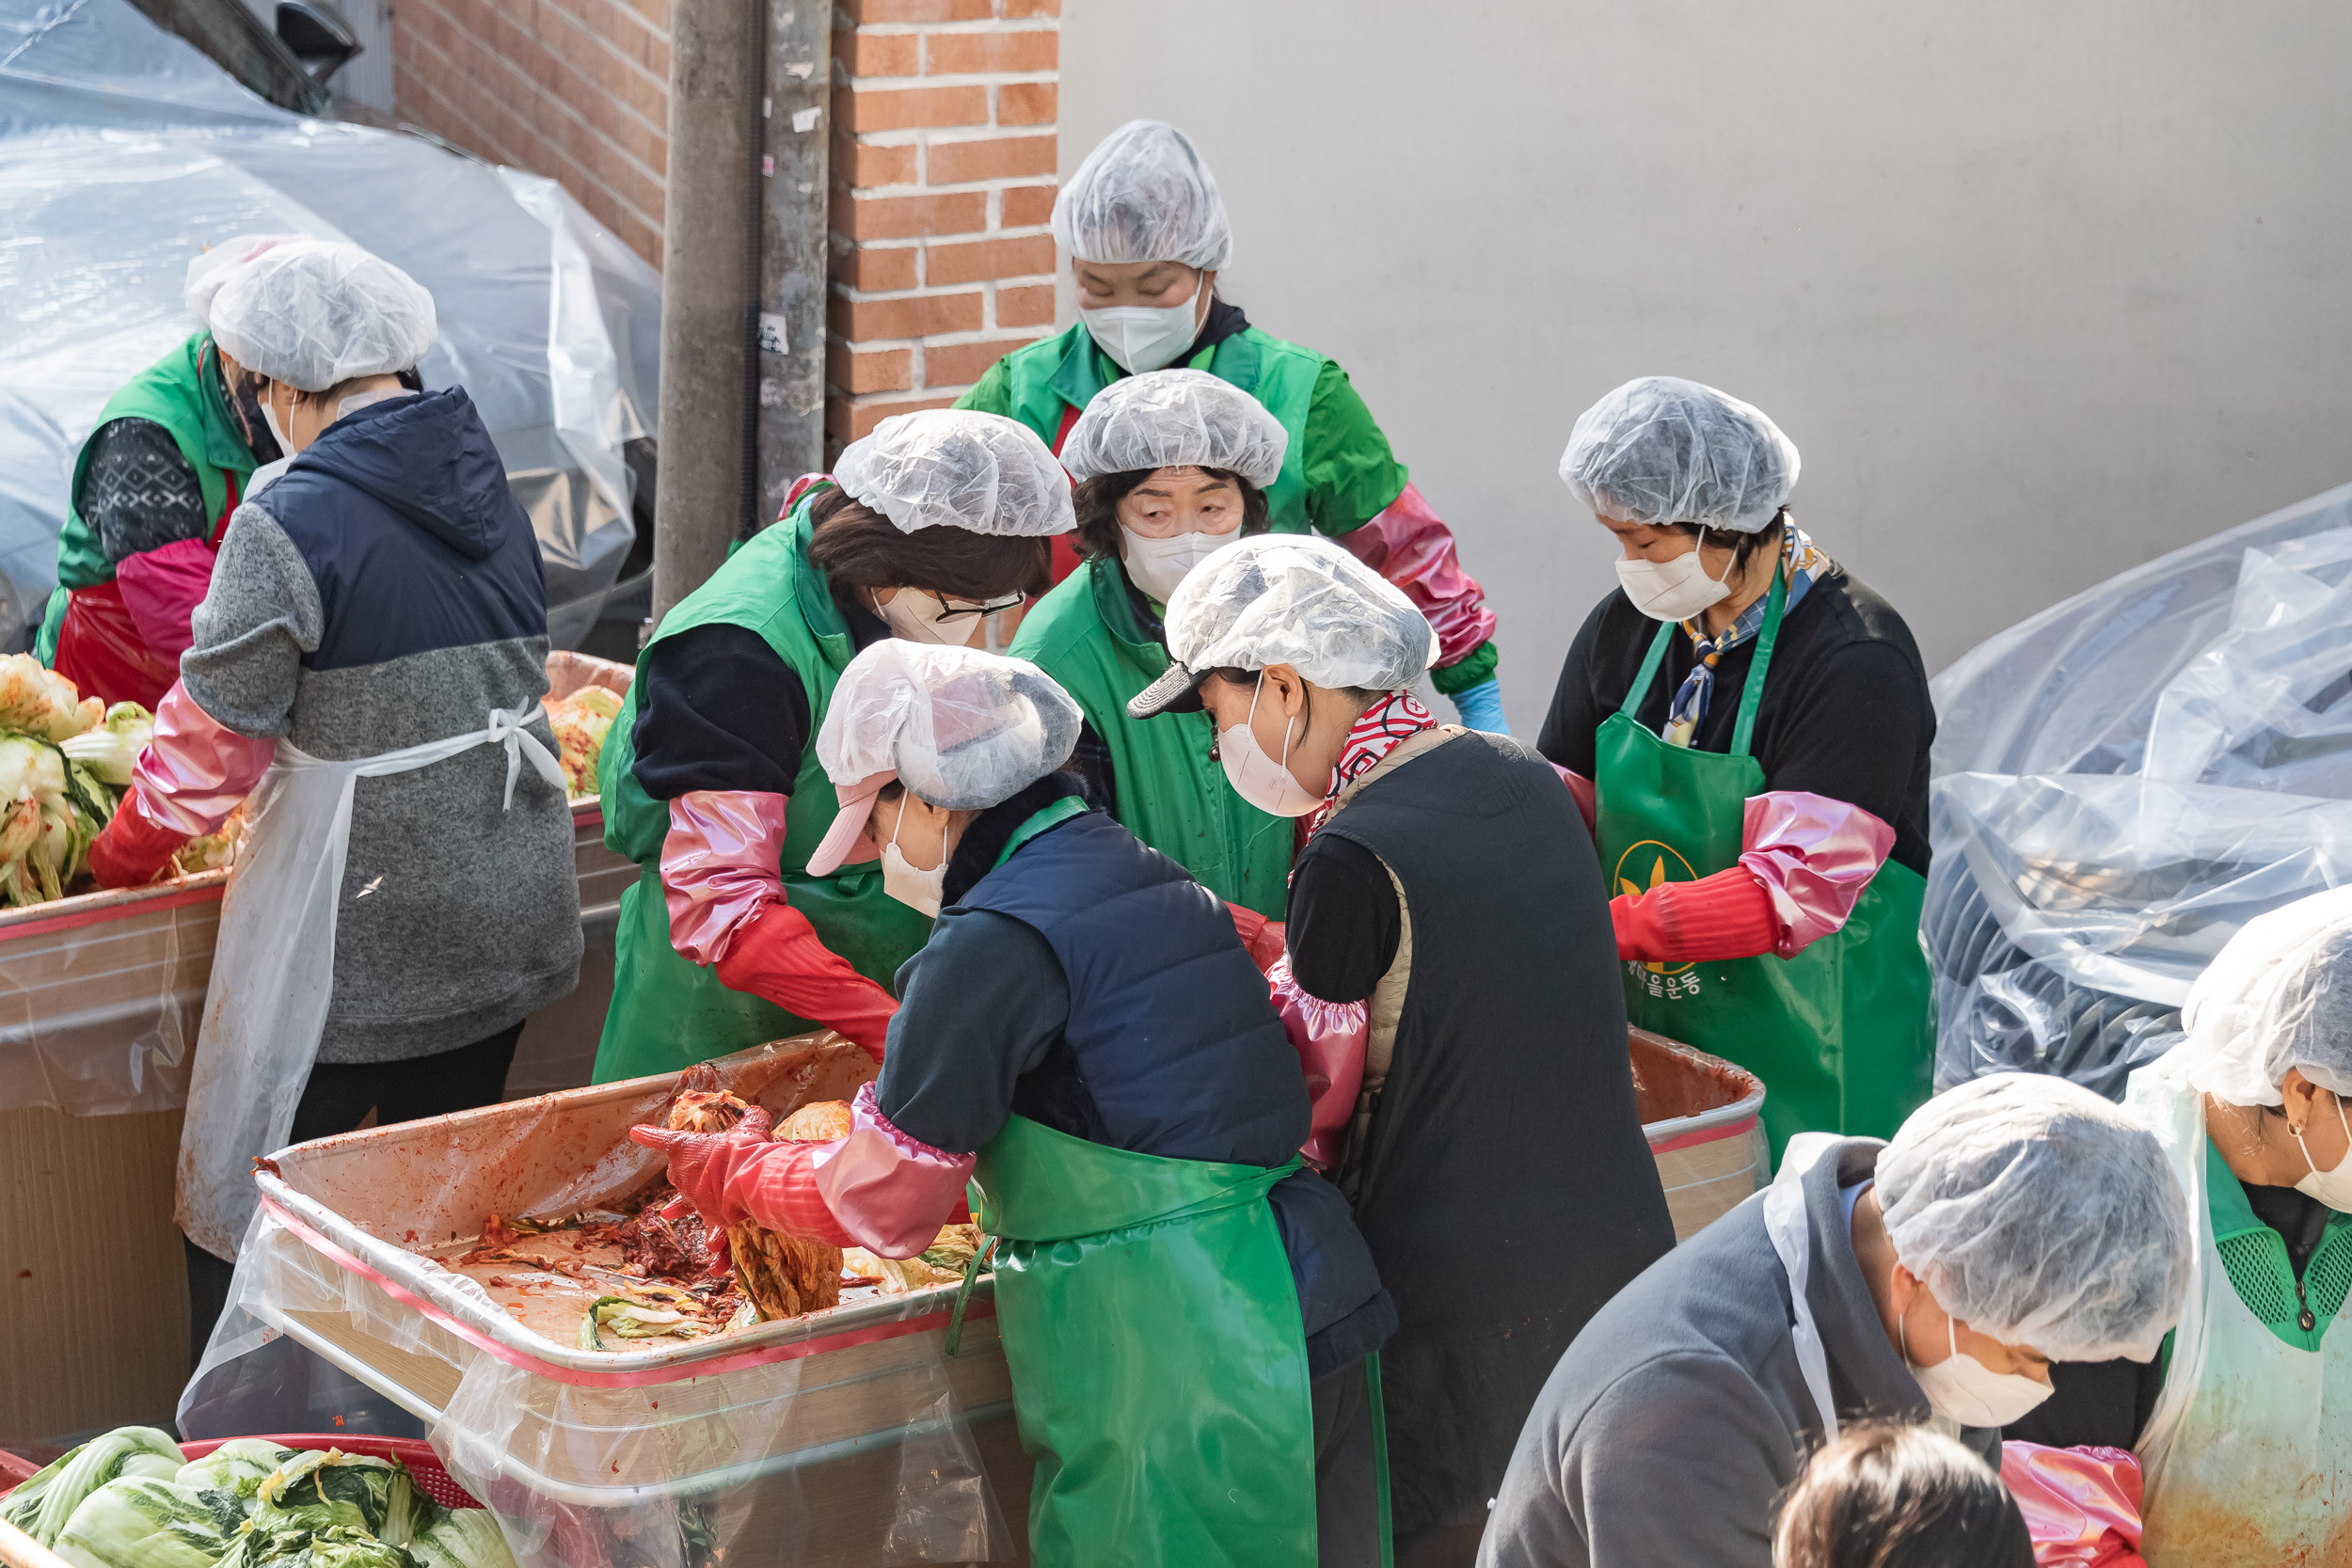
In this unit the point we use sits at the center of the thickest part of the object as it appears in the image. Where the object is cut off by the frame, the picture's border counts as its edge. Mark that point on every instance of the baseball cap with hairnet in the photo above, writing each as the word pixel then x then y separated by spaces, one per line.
pixel 961 728
pixel 1144 194
pixel 2277 995
pixel 958 468
pixel 1660 450
pixel 1294 599
pixel 2040 1214
pixel 209 269
pixel 312 313
pixel 1175 419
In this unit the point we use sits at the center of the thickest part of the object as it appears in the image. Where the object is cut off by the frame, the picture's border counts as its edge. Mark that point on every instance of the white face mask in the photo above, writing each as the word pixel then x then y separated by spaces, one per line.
pixel 2331 1187
pixel 1964 1389
pixel 913 616
pixel 1144 338
pixel 1157 565
pixel 269 418
pixel 1674 590
pixel 1257 778
pixel 916 890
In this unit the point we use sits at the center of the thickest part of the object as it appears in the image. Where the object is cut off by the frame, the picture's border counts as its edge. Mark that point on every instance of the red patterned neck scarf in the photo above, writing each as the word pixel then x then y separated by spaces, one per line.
pixel 1376 734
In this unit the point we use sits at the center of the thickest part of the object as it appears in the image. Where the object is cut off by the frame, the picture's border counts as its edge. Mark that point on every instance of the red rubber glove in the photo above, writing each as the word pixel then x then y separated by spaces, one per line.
pixel 1728 915
pixel 131 851
pixel 777 953
pixel 1260 937
pixel 737 1175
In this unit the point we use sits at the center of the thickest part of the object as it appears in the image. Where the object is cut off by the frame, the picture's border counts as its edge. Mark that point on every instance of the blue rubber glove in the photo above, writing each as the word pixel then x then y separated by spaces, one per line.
pixel 1481 708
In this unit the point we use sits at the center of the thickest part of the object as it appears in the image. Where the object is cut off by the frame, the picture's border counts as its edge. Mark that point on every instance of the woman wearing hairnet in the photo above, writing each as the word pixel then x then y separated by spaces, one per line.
pixel 154 489
pixel 2013 1221
pixel 1085 1041
pixel 1756 724
pixel 1172 466
pixel 1146 233
pixel 368 661
pixel 1447 972
pixel 2244 1426
pixel 927 527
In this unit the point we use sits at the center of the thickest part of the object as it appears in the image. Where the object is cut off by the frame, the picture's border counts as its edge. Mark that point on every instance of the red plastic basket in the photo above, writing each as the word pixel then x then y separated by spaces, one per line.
pixel 422 1461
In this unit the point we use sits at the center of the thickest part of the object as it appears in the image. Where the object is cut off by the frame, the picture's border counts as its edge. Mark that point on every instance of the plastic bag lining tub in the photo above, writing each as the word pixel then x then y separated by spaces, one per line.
pixel 125 151
pixel 2123 781
pixel 1703 1118
pixel 661 1455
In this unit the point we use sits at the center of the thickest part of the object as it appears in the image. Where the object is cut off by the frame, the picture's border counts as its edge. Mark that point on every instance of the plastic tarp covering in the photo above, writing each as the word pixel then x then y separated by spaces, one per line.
pixel 2123 781
pixel 834 1437
pixel 125 151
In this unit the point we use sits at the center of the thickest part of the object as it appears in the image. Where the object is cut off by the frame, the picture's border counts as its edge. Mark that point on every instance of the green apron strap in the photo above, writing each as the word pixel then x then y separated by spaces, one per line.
pixel 963 1295
pixel 1752 697
pixel 1649 667
pixel 1380 1456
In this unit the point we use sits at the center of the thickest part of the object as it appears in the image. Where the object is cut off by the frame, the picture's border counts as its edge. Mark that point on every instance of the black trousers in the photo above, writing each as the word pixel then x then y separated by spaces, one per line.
pixel 337 1098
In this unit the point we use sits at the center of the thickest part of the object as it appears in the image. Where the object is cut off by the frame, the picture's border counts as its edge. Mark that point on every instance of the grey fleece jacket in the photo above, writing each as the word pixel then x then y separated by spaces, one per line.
pixel 1677 1419
pixel 387 592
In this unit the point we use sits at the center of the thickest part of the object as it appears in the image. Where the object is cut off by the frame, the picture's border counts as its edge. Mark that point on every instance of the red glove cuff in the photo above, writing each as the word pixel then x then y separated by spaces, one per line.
pixel 776 1186
pixel 131 850
pixel 777 953
pixel 1728 915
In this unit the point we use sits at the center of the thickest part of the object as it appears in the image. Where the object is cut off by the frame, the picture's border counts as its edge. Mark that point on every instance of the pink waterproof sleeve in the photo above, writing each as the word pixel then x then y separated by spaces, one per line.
pixel 161 589
pixel 1329 1038
pixel 1587 798
pixel 719 866
pixel 888 1189
pixel 1814 856
pixel 1409 544
pixel 2081 1505
pixel 195 769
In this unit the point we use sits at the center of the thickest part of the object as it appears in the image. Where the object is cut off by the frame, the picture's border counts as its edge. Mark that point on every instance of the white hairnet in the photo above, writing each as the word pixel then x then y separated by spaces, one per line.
pixel 314 313
pixel 1174 419
pixel 210 268
pixel 2042 1215
pixel 958 468
pixel 2277 995
pixel 1660 450
pixel 1300 600
pixel 961 728
pixel 1144 194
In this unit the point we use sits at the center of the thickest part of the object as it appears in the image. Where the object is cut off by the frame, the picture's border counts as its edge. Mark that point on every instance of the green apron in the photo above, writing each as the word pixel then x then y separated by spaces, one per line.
pixel 667 1011
pixel 1159 1364
pixel 1843 1033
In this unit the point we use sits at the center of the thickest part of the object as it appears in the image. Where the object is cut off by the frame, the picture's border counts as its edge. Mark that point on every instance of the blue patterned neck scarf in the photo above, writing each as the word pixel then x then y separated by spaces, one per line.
pixel 1803 563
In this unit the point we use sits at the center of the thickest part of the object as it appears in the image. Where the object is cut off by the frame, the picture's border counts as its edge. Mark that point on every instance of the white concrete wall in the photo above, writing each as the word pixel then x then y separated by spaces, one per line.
pixel 2039 291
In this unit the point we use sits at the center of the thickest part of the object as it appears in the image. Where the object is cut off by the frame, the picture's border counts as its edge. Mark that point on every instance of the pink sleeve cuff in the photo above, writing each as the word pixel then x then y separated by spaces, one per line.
pixel 195 769
pixel 1814 857
pixel 1587 798
pixel 891 1191
pixel 2081 1506
pixel 719 866
pixel 161 588
pixel 1409 544
pixel 1329 1038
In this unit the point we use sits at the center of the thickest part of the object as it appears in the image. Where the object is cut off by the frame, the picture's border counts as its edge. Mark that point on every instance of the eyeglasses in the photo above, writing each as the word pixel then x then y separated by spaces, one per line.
pixel 956 609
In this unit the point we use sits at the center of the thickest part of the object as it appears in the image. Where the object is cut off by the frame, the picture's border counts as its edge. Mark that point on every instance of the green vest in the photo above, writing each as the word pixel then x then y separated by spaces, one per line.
pixel 182 393
pixel 1338 472
pixel 669 1013
pixel 2255 1258
pixel 1171 794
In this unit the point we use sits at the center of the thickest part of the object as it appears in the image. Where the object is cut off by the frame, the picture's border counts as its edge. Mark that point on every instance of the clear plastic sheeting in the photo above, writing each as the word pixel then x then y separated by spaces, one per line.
pixel 2124 780
pixel 123 152
pixel 839 1437
pixel 100 995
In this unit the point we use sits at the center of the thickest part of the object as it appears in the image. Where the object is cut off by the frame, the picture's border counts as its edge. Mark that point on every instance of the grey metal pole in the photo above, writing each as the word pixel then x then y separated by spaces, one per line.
pixel 794 255
pixel 708 290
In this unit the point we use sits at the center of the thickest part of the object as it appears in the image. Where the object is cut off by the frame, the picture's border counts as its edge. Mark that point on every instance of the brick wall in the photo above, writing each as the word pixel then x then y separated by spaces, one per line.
pixel 943 154
pixel 576 89
pixel 943 166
